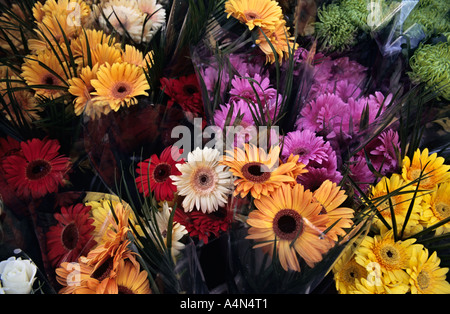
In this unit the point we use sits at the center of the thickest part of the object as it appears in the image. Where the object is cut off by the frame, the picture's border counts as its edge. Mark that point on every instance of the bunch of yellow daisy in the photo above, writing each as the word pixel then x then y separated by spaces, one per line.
pixel 71 58
pixel 267 20
pixel 381 265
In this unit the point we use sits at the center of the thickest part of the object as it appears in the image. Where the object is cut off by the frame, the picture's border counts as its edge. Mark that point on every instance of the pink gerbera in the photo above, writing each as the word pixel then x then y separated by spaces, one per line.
pixel 38 170
pixel 324 114
pixel 307 145
pixel 245 87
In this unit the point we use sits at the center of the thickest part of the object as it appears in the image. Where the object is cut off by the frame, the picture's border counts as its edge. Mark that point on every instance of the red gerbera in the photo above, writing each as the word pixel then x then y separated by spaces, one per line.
pixel 156 172
pixel 205 225
pixel 38 170
pixel 184 91
pixel 72 236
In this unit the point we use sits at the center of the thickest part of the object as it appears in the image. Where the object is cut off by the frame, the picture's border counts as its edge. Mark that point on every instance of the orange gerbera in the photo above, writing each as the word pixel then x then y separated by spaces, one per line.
pixel 290 219
pixel 129 280
pixel 331 196
pixel 257 170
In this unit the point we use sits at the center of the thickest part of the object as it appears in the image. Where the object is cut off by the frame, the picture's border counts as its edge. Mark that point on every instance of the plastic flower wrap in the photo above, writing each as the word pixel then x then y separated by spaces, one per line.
pixel 146 144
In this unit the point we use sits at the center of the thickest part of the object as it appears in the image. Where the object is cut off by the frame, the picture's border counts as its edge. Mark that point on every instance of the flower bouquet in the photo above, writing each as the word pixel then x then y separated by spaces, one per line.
pixel 225 147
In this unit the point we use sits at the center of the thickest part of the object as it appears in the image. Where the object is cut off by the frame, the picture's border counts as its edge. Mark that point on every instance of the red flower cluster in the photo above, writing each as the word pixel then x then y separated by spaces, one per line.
pixel 205 225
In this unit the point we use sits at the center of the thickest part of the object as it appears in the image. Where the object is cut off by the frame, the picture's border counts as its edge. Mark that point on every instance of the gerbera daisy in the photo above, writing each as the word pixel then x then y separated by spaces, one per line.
pixel 81 88
pixel 72 236
pixel 276 42
pixel 261 13
pixel 124 17
pixel 104 53
pixel 203 182
pixel 256 170
pixel 39 170
pixel 331 196
pixel 119 84
pixel 88 40
pixel 429 168
pixel 392 257
pixel 154 174
pixel 29 107
pixel 178 230
pixel 426 277
pixel 436 207
pixel 131 280
pixel 133 56
pixel 52 74
pixel 347 273
pixel 400 197
pixel 156 15
pixel 307 145
pixel 75 278
pixel 184 91
pixel 254 89
pixel 291 219
pixel 205 225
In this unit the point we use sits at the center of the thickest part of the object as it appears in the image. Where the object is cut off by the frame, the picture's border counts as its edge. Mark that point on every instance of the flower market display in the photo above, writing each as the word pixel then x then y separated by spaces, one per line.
pixel 226 147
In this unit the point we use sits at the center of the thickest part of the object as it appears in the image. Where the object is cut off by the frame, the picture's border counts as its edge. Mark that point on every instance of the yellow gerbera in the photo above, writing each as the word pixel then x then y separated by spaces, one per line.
pixel 105 53
pixel 102 207
pixel 432 167
pixel 261 13
pixel 426 277
pixel 131 280
pixel 386 256
pixel 29 106
pixel 82 88
pixel 35 74
pixel 436 207
pixel 257 171
pixel 119 84
pixel 401 198
pixel 331 196
pixel 87 40
pixel 277 41
pixel 133 56
pixel 347 273
pixel 291 219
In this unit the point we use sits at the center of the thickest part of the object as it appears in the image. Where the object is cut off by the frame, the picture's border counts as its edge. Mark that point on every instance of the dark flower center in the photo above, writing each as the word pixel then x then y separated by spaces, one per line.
pixel 103 271
pixel 49 80
pixel 256 172
pixel 121 90
pixel 301 151
pixel 124 290
pixel 288 224
pixel 190 89
pixel 38 169
pixel 70 236
pixel 162 172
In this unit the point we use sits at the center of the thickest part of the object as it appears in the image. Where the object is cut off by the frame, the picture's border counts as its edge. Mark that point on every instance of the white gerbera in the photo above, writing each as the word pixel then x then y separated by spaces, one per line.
pixel 178 230
pixel 204 183
pixel 156 16
pixel 124 17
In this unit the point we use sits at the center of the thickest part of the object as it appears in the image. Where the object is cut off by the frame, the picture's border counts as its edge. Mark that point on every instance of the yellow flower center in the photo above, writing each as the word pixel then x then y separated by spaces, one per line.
pixel 390 256
pixel 423 280
pixel 424 175
pixel 442 210
pixel 353 271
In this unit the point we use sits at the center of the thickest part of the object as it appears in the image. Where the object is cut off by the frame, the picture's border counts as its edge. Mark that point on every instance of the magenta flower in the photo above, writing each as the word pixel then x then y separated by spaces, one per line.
pixel 242 89
pixel 307 145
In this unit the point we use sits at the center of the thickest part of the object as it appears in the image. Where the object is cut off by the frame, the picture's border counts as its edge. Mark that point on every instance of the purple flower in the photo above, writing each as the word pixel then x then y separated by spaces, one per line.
pixel 245 87
pixel 307 145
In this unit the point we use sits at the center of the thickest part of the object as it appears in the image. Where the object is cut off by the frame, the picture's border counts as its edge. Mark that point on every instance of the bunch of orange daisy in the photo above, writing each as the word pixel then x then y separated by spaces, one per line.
pixel 266 18
pixel 298 224
pixel 109 268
